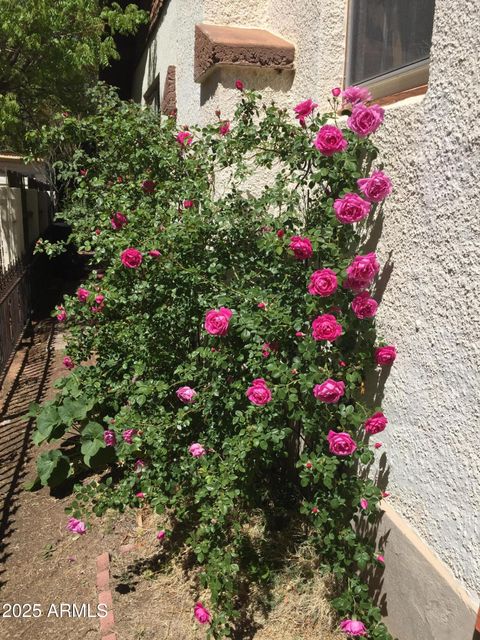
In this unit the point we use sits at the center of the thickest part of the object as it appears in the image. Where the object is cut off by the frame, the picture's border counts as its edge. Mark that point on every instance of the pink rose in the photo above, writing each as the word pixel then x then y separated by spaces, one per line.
pixel 148 186
pixel 364 503
pixel 323 283
pixel 196 450
pixel 109 438
pixel 301 247
pixel 187 204
pixel 261 305
pixel 385 356
pixel 341 444
pixel 268 348
pixel 61 313
pixel 377 445
pixel 154 253
pixel 239 85
pixel 118 220
pixel 361 272
pixel 186 394
pixel 184 138
pixel 351 208
pixel 353 627
pixel 128 434
pixel 82 294
pixel 336 91
pixel 330 140
pixel 202 614
pixel 304 109
pixel 299 334
pixel 326 327
pixel 375 188
pixel 76 526
pixel 329 391
pixel 131 258
pixel 381 559
pixel 139 466
pixel 354 95
pixel 140 495
pixel 161 534
pixel 365 120
pixel 363 306
pixel 68 363
pixel 376 423
pixel 259 393
pixel 216 322
pixel 224 128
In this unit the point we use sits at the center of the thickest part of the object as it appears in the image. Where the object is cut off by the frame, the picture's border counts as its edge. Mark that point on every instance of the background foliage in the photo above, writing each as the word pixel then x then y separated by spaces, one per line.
pixel 50 53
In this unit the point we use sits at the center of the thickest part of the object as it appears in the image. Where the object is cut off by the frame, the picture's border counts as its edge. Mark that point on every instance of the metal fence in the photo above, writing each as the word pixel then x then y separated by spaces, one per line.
pixel 25 209
pixel 14 309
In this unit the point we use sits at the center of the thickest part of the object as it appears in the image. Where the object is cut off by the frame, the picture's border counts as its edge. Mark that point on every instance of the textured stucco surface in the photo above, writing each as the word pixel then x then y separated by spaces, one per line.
pixel 431 302
pixel 172 44
pixel 429 241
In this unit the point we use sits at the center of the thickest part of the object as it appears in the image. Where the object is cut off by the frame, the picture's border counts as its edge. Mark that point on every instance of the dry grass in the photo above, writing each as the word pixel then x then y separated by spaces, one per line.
pixel 302 612
pixel 159 604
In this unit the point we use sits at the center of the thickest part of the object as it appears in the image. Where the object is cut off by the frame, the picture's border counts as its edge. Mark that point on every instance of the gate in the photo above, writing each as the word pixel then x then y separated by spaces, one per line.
pixel 14 309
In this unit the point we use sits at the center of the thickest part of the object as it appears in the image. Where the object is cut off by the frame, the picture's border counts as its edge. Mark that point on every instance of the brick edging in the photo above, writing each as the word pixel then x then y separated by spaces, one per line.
pixel 107 624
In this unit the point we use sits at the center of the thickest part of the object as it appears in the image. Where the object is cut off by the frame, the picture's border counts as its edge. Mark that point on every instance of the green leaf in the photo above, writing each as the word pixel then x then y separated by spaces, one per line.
pixel 91 441
pixel 53 468
pixel 48 419
pixel 73 410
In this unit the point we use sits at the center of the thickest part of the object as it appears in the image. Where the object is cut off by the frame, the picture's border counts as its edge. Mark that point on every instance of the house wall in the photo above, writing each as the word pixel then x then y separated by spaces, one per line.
pixel 429 244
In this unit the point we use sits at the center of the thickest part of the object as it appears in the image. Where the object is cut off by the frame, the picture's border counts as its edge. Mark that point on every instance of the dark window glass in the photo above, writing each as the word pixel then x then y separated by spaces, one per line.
pixel 387 35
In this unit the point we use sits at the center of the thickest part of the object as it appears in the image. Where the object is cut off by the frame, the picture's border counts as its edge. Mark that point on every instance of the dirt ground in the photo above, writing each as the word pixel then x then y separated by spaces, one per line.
pixel 41 563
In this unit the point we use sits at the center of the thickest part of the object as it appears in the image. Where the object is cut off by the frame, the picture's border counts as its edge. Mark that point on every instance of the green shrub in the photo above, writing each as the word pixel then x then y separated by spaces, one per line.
pixel 146 337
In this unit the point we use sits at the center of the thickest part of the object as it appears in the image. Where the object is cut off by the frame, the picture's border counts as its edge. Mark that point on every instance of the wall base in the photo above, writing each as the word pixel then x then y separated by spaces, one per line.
pixel 419 597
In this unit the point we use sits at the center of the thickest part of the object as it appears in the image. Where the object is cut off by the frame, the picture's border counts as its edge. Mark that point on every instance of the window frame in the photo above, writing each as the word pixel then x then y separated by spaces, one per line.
pixel 152 94
pixel 398 81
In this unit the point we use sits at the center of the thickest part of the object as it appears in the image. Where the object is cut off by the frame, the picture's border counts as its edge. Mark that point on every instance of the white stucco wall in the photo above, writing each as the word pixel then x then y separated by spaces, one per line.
pixel 430 307
pixel 172 44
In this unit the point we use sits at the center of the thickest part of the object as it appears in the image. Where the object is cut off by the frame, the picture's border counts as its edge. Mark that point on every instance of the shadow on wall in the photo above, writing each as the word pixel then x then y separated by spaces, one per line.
pixel 256 79
pixel 376 379
pixel 373 575
pixel 374 392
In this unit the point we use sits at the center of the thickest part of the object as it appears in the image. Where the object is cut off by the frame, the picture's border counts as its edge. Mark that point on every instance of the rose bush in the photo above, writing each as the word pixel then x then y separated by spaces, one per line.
pixel 221 375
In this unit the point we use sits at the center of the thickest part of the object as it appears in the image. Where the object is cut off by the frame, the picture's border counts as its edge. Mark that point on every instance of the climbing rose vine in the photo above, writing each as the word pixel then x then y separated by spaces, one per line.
pixel 219 347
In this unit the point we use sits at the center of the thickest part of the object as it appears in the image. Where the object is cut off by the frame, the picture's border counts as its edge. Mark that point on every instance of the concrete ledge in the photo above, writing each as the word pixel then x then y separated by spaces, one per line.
pixel 420 598
pixel 217 45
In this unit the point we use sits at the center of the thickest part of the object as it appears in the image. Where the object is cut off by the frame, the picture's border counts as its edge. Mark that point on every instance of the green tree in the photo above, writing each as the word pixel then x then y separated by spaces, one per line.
pixel 50 53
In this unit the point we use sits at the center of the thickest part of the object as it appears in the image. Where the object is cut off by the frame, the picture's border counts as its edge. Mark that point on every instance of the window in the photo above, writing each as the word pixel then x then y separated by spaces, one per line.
pixel 152 95
pixel 388 45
